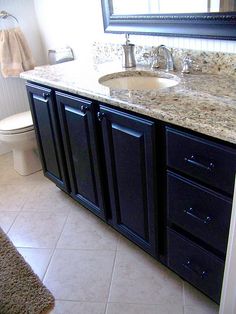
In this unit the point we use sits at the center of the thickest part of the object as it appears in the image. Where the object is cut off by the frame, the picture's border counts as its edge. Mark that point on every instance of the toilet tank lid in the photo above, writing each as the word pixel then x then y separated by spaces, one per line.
pixel 17 121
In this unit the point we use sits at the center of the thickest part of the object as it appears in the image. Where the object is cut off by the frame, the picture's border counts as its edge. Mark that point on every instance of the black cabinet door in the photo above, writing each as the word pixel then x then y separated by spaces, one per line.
pixel 129 153
pixel 48 134
pixel 77 119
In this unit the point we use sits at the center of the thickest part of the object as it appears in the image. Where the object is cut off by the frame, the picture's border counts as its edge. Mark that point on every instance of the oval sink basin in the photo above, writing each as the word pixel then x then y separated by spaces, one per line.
pixel 138 80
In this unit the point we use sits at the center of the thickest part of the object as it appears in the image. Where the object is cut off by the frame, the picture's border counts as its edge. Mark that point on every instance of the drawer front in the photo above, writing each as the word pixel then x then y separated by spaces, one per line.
pixel 201 159
pixel 199 211
pixel 199 267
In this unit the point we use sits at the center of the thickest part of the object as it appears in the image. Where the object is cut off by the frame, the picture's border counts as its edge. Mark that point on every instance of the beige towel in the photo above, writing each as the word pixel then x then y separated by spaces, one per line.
pixel 15 55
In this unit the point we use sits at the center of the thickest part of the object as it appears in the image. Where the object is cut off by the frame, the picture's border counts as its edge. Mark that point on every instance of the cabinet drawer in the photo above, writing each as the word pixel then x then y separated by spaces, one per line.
pixel 211 163
pixel 196 265
pixel 199 211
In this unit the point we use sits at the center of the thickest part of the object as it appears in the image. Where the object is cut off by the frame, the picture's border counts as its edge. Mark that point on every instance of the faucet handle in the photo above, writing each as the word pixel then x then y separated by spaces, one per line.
pixel 152 59
pixel 127 41
pixel 187 63
pixel 146 56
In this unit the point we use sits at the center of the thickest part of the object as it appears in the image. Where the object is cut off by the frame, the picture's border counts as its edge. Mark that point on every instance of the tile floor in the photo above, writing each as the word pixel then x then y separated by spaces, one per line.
pixel 87 265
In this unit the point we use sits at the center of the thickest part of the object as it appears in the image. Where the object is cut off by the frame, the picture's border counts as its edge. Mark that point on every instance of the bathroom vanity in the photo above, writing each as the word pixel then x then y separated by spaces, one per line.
pixel 157 165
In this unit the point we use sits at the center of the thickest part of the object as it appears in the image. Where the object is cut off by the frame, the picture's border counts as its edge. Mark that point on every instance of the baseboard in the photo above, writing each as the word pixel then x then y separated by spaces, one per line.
pixel 4 148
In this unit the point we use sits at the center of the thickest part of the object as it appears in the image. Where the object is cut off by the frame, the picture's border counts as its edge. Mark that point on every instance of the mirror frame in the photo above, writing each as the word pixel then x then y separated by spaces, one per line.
pixel 198 25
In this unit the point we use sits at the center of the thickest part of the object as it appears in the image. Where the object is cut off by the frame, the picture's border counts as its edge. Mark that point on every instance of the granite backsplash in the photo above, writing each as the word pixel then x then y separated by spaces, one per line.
pixel 203 61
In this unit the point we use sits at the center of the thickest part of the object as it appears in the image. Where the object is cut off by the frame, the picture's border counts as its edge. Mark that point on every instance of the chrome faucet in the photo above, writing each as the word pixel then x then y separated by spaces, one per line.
pixel 168 56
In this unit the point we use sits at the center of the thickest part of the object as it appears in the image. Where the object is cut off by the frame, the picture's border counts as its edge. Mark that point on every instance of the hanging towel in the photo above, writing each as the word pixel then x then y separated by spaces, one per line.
pixel 15 55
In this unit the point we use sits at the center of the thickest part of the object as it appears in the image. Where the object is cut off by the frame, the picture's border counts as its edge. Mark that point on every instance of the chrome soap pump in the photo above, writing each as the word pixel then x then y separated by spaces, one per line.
pixel 128 60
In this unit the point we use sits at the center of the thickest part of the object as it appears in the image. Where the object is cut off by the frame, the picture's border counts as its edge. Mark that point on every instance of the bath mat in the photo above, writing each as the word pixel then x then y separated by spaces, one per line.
pixel 21 291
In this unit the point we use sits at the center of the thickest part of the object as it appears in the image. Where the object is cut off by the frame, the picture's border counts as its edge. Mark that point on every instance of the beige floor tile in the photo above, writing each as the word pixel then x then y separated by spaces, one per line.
pixel 7 219
pixel 80 275
pixel 36 178
pixel 118 308
pixel 194 300
pixel 48 197
pixel 38 259
pixel 70 307
pixel 85 231
pixel 125 245
pixel 13 197
pixel 200 310
pixel 9 175
pixel 138 278
pixel 37 230
pixel 6 159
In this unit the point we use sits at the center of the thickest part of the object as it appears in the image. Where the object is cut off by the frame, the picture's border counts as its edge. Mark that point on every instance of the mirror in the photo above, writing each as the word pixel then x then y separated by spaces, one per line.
pixel 214 19
pixel 124 7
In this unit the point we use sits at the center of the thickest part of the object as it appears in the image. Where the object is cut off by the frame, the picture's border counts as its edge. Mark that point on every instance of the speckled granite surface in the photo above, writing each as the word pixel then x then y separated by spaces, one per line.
pixel 203 61
pixel 204 103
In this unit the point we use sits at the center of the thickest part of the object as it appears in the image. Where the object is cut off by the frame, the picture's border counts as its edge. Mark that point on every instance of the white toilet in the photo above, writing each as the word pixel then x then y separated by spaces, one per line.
pixel 17 132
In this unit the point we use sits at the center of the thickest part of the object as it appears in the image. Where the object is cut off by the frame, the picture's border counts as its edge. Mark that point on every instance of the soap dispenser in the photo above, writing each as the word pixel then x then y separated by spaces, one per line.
pixel 128 60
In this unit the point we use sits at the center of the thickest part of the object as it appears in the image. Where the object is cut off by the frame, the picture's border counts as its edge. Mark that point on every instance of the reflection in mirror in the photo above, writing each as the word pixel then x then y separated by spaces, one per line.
pixel 124 7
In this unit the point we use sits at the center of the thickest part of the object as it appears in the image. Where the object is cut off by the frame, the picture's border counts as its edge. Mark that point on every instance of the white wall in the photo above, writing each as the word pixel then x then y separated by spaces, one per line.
pixel 79 23
pixel 12 90
pixel 69 22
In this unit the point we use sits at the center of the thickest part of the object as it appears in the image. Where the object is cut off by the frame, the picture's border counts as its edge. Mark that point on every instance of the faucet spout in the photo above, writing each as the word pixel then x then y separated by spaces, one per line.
pixel 168 56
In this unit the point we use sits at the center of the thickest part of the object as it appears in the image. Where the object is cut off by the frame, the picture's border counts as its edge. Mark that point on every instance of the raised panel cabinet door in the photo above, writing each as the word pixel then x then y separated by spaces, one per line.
pixel 48 134
pixel 77 120
pixel 129 144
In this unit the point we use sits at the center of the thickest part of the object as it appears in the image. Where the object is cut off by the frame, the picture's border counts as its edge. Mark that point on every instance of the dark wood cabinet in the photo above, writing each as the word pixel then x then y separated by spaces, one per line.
pixel 48 135
pixel 200 181
pixel 129 144
pixel 77 120
pixel 175 204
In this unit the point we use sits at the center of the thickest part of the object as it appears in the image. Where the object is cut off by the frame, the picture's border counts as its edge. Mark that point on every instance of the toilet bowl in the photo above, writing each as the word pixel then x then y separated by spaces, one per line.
pixel 17 132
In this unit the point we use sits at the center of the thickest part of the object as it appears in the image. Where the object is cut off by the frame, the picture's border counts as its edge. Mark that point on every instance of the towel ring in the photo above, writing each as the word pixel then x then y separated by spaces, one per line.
pixel 5 15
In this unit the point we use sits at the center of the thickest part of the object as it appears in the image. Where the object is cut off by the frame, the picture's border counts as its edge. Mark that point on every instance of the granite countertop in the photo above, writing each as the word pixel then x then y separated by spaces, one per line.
pixel 204 103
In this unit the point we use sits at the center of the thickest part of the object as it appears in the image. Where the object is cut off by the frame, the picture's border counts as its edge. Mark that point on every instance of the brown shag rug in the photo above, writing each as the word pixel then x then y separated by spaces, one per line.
pixel 21 291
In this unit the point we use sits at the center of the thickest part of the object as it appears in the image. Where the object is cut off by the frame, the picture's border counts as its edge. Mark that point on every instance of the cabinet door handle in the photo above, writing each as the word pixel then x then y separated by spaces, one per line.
pixel 84 108
pixel 46 96
pixel 197 164
pixel 194 269
pixel 100 116
pixel 190 212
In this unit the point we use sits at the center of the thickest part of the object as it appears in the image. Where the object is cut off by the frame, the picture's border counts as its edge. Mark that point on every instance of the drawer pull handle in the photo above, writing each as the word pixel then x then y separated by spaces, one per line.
pixel 190 212
pixel 100 116
pixel 46 96
pixel 193 162
pixel 194 269
pixel 84 108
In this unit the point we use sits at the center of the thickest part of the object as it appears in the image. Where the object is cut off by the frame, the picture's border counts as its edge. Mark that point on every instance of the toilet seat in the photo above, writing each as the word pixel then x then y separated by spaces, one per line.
pixel 18 123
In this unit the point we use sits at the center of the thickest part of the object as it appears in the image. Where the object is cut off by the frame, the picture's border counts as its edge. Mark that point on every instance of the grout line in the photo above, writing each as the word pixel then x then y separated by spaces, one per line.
pixel 18 213
pixel 184 299
pixel 54 249
pixel 27 198
pixel 112 276
pixel 63 249
pixel 81 249
pixel 95 302
pixel 43 211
